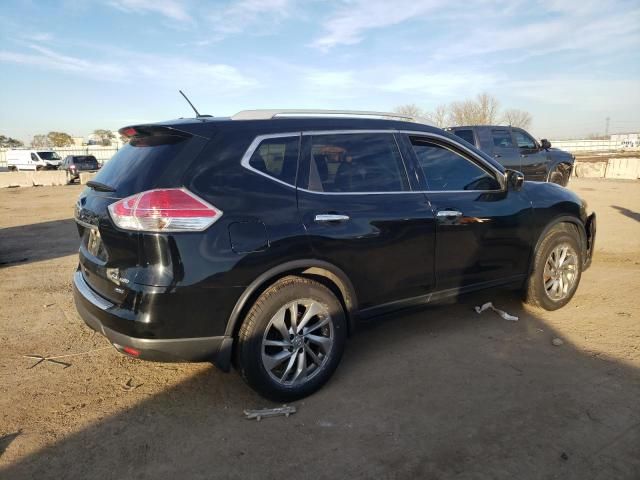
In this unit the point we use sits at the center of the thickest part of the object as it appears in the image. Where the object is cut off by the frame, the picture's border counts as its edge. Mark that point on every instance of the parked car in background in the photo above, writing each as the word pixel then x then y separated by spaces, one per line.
pixel 32 160
pixel 74 164
pixel 261 240
pixel 515 148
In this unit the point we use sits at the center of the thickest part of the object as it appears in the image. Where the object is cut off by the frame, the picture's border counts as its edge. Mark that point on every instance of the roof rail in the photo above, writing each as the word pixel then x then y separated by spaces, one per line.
pixel 271 114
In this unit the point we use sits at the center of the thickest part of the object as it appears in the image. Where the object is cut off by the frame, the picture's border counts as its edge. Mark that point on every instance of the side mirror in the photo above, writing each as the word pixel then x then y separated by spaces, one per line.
pixel 515 180
pixel 545 144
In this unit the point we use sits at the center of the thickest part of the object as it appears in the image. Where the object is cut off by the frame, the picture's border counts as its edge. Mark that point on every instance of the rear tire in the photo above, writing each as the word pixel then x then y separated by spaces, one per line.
pixel 557 268
pixel 292 339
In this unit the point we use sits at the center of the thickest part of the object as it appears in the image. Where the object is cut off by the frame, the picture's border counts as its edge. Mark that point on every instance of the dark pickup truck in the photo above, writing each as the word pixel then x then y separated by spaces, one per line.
pixel 516 149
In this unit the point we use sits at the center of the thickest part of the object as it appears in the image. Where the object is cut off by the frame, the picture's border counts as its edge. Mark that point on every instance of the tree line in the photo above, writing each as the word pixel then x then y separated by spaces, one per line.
pixel 57 139
pixel 482 110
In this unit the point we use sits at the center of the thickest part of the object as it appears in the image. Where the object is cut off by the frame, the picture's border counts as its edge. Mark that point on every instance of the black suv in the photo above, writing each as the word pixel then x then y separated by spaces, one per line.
pixel 74 164
pixel 262 239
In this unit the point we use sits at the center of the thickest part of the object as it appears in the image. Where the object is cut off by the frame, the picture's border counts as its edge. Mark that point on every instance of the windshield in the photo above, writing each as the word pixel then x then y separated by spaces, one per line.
pixel 49 155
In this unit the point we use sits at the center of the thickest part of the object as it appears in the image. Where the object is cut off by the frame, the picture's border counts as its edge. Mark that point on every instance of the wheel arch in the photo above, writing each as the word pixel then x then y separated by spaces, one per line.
pixel 326 273
pixel 554 223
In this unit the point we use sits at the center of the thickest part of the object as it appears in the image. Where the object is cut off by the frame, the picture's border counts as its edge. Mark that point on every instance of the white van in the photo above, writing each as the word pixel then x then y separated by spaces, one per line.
pixel 32 160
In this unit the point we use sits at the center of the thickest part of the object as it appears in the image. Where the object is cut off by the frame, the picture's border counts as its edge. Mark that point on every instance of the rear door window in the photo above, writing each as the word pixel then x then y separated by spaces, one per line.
pixel 352 163
pixel 446 170
pixel 502 138
pixel 277 158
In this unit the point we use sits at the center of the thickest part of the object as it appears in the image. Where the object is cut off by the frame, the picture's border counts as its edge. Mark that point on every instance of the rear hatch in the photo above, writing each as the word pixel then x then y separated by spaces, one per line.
pixel 86 162
pixel 112 260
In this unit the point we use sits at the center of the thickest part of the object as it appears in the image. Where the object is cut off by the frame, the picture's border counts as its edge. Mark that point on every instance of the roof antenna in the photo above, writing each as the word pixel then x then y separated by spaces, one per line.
pixel 191 104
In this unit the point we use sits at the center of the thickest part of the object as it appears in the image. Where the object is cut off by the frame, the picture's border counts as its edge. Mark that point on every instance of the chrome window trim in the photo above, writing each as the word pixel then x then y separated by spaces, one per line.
pixel 429 135
pixel 246 158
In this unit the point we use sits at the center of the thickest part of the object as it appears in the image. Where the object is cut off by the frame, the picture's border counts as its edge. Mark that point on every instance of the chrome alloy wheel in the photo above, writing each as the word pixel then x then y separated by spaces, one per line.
pixel 297 342
pixel 560 272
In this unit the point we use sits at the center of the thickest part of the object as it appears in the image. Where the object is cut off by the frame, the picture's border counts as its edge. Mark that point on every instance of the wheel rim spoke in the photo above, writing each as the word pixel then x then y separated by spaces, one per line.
pixel 272 361
pixel 313 310
pixel 294 349
pixel 560 272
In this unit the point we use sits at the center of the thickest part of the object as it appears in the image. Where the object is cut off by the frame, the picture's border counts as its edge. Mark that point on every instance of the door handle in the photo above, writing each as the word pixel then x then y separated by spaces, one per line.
pixel 448 213
pixel 330 217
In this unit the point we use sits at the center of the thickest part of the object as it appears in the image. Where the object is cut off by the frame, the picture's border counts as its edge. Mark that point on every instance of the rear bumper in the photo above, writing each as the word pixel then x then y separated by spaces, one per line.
pixel 91 307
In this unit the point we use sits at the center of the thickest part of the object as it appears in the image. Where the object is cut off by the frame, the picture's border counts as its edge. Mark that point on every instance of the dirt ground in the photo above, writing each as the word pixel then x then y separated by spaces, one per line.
pixel 439 393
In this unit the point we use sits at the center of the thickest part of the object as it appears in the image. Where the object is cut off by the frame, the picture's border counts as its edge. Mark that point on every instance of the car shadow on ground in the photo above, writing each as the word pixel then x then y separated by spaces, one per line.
pixel 38 241
pixel 437 393
pixel 628 213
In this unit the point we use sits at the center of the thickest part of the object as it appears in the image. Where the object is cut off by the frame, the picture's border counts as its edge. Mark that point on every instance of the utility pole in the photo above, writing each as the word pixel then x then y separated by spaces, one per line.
pixel 606 128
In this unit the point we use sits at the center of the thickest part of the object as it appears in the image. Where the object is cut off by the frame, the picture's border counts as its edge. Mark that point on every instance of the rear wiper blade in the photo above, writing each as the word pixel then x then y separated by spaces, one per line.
pixel 100 187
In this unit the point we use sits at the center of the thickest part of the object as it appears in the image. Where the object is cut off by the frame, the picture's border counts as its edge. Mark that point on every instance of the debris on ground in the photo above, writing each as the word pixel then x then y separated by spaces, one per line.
pixel 130 385
pixel 557 342
pixel 269 412
pixel 502 313
pixel 55 358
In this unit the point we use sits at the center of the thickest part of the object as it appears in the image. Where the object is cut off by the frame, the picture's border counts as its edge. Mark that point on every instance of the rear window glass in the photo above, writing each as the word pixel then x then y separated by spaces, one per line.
pixel 134 169
pixel 90 160
pixel 278 158
pixel 466 135
pixel 502 138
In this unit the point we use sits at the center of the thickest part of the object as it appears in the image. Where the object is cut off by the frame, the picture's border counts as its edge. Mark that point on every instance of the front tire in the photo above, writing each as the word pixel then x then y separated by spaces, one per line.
pixel 557 269
pixel 292 339
pixel 559 176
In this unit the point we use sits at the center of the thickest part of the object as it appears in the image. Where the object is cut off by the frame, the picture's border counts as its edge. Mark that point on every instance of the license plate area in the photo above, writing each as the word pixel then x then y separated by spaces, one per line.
pixel 92 242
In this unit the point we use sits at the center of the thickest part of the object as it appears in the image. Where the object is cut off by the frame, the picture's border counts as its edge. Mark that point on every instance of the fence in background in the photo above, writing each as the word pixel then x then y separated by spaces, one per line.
pixel 583 146
pixel 103 154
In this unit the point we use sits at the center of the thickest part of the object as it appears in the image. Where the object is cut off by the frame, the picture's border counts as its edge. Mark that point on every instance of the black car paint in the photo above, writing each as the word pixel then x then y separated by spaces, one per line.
pixel 536 163
pixel 392 255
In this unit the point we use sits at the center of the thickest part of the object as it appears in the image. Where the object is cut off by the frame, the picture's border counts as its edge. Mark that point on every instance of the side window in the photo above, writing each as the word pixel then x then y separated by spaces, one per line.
pixel 502 138
pixel 466 135
pixel 278 158
pixel 362 162
pixel 446 170
pixel 34 157
pixel 524 141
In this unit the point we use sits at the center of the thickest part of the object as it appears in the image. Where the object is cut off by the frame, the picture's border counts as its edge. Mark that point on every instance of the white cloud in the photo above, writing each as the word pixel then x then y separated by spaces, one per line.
pixel 162 70
pixel 349 24
pixel 257 15
pixel 172 9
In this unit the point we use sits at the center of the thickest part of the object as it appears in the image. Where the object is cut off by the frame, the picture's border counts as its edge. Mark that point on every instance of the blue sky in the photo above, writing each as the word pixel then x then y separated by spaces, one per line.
pixel 78 65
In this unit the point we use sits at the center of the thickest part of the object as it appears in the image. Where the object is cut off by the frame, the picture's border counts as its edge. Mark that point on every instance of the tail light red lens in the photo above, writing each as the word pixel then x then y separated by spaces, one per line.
pixel 164 210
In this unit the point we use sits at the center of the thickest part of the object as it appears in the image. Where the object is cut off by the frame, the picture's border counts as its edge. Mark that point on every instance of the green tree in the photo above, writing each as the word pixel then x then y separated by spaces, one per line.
pixel 8 142
pixel 60 139
pixel 105 136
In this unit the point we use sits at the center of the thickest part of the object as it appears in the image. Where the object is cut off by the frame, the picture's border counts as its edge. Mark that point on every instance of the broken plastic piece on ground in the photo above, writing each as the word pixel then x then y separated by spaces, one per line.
pixel 502 313
pixel 269 412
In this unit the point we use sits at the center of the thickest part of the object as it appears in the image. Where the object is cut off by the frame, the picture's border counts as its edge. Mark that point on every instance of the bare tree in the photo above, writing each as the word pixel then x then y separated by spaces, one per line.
pixel 440 116
pixel 40 141
pixel 8 142
pixel 410 110
pixel 481 111
pixel 517 118
pixel 488 108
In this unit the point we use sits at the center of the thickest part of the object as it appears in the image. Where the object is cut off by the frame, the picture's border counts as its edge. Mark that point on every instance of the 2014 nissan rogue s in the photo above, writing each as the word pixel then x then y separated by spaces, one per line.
pixel 261 240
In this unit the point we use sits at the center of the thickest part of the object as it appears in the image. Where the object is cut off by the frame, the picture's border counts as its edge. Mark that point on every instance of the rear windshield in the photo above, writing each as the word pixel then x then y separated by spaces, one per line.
pixel 90 160
pixel 136 168
pixel 466 135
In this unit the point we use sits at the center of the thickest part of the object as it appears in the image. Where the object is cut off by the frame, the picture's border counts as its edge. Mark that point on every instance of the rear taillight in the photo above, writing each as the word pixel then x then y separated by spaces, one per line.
pixel 164 210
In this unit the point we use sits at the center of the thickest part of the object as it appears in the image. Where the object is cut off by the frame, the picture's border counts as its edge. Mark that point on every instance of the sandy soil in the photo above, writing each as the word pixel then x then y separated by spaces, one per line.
pixel 439 393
